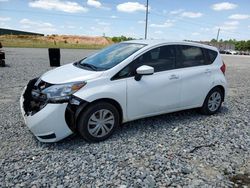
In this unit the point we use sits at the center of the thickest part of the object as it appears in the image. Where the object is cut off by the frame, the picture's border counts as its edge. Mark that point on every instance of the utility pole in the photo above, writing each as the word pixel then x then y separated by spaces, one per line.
pixel 218 34
pixel 146 23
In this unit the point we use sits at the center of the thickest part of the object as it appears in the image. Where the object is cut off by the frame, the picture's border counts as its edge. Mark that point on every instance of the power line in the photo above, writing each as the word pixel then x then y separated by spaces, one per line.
pixel 202 24
pixel 69 15
pixel 128 19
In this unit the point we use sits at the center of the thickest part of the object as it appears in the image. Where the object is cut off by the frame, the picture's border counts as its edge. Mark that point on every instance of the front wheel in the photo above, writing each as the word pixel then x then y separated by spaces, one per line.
pixel 98 122
pixel 212 102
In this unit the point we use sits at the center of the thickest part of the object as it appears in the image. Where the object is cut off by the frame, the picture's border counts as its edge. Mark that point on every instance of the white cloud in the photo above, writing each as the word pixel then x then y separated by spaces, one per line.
pixel 141 22
pixel 224 6
pixel 4 25
pixel 167 24
pixel 113 16
pixel 37 26
pixel 187 14
pixel 239 16
pixel 233 23
pixel 191 14
pixel 71 27
pixel 106 8
pixel 178 11
pixel 103 23
pixel 158 32
pixel 29 22
pixel 94 3
pixel 100 30
pixel 195 33
pixel 4 19
pixel 205 29
pixel 164 11
pixel 59 5
pixel 131 28
pixel 97 4
pixel 130 7
pixel 227 26
pixel 224 27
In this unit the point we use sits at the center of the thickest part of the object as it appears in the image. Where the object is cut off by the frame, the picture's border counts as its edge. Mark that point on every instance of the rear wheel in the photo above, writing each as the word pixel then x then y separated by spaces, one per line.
pixel 98 121
pixel 212 102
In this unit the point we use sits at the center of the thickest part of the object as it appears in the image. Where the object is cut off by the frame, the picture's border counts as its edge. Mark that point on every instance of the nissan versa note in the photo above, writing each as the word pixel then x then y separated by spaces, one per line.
pixel 121 83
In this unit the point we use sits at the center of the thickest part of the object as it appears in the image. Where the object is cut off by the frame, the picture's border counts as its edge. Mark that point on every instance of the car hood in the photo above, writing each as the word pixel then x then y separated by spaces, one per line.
pixel 69 73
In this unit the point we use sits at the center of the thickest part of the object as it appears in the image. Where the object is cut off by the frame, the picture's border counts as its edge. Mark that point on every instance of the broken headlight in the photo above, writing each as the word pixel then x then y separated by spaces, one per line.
pixel 62 92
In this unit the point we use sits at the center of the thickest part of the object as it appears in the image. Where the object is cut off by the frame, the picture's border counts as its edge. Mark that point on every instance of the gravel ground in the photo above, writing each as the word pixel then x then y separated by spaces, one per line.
pixel 183 149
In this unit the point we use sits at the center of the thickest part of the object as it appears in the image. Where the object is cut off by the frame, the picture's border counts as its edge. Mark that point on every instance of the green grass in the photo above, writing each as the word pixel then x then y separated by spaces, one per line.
pixel 30 42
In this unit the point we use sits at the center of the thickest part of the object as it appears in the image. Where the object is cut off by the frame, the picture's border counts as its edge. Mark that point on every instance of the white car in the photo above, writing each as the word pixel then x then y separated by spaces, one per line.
pixel 232 52
pixel 121 83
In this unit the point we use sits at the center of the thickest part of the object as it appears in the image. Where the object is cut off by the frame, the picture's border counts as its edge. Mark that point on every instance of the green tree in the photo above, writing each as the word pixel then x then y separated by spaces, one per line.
pixel 121 38
pixel 213 40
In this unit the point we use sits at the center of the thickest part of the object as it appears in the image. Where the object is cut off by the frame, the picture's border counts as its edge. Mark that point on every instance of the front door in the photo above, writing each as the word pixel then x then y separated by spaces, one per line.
pixel 157 93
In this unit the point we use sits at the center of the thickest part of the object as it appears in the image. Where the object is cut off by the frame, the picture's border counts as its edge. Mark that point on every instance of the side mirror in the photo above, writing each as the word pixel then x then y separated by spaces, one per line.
pixel 143 70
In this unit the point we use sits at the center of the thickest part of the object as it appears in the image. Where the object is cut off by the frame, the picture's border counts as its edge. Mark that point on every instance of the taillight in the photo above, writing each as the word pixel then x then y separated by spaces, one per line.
pixel 223 68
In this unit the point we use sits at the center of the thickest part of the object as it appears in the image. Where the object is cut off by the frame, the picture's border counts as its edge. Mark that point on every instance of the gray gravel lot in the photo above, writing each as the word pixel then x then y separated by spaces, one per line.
pixel 183 149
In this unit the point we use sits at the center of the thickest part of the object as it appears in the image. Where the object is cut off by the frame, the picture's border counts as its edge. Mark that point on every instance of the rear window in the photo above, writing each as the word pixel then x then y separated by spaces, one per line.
pixel 212 55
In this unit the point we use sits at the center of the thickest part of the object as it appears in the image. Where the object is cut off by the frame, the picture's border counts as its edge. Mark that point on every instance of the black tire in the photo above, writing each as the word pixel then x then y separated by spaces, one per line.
pixel 84 118
pixel 205 109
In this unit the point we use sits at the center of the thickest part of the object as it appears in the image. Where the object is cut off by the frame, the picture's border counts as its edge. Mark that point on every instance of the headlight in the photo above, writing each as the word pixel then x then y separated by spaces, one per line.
pixel 62 92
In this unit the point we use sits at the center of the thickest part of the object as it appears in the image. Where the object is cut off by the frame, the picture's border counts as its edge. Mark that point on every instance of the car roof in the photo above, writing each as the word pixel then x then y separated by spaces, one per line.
pixel 153 42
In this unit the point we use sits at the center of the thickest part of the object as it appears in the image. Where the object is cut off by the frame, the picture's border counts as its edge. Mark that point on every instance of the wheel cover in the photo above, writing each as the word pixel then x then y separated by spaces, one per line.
pixel 101 123
pixel 214 101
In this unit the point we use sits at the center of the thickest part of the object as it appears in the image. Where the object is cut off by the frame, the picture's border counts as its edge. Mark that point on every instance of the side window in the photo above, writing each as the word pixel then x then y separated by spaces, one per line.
pixel 127 71
pixel 190 56
pixel 161 58
pixel 212 55
pixel 155 53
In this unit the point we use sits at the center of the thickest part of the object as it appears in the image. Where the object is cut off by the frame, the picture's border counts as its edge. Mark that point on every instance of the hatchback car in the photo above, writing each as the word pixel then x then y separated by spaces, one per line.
pixel 121 83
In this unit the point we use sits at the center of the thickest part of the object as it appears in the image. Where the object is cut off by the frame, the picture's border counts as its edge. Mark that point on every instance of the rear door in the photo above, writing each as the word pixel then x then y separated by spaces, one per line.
pixel 196 75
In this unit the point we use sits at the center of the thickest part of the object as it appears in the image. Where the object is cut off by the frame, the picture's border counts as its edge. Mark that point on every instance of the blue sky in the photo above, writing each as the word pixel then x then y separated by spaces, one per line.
pixel 168 19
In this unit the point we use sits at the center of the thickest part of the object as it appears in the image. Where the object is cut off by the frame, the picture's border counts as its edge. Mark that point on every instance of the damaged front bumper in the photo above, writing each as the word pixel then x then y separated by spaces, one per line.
pixel 45 120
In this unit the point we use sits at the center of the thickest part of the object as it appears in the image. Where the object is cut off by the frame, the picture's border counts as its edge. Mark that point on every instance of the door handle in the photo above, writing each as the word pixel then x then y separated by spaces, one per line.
pixel 207 71
pixel 173 77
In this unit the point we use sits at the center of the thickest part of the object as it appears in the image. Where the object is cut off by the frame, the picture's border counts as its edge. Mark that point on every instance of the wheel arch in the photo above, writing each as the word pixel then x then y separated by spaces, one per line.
pixel 114 103
pixel 222 89
pixel 203 109
pixel 108 100
pixel 216 86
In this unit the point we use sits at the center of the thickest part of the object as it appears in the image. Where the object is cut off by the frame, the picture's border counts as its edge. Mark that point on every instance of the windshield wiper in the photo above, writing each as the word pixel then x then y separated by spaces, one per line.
pixel 92 67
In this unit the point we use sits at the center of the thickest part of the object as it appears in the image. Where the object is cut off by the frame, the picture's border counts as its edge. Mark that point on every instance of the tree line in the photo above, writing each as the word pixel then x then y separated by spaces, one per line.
pixel 242 45
pixel 121 38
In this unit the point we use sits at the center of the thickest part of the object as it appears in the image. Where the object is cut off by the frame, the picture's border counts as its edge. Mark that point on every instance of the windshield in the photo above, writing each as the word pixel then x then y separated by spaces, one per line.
pixel 110 56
